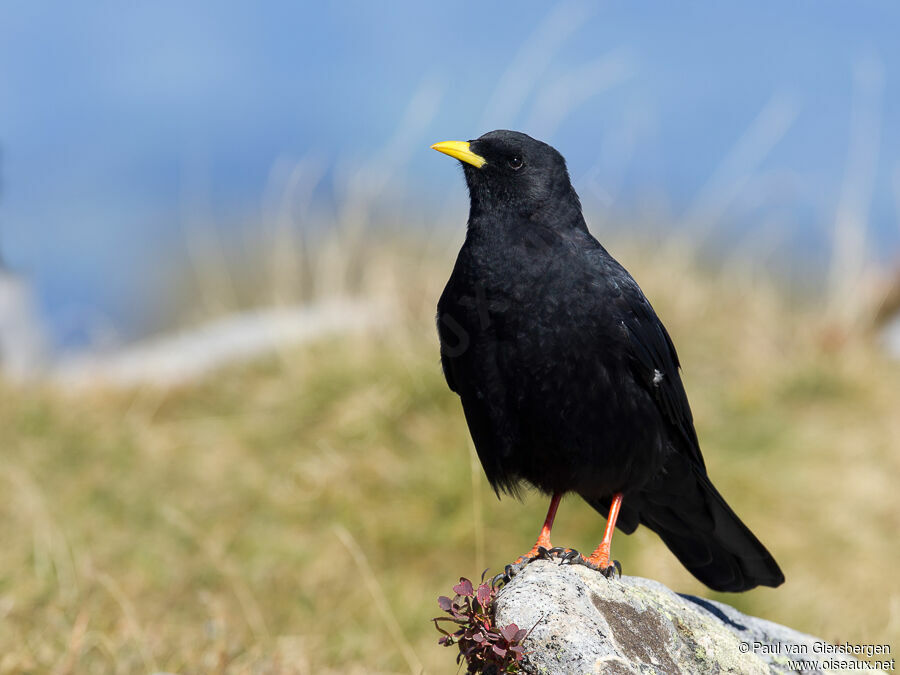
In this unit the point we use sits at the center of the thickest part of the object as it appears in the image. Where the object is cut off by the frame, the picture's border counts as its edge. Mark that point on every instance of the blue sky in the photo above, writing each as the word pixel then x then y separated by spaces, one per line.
pixel 109 111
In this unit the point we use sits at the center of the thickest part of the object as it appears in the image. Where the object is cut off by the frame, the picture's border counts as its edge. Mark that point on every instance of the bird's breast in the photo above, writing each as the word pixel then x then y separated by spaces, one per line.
pixel 559 373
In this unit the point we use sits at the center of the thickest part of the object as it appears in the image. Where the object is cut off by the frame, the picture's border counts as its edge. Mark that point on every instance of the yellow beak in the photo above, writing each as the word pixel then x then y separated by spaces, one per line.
pixel 460 150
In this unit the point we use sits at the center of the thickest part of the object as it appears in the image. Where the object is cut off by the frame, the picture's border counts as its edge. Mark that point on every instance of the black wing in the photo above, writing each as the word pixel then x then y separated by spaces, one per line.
pixel 654 360
pixel 469 361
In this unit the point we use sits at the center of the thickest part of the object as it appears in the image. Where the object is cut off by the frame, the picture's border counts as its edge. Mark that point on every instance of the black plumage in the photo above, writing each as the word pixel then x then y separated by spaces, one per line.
pixel 568 379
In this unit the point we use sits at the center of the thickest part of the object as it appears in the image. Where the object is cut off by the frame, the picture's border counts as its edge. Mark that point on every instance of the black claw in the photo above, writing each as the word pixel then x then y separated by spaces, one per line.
pixel 511 570
pixel 573 557
pixel 614 570
pixel 569 556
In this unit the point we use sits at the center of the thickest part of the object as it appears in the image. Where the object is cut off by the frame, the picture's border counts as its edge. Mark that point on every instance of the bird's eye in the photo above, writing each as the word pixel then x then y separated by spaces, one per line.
pixel 515 162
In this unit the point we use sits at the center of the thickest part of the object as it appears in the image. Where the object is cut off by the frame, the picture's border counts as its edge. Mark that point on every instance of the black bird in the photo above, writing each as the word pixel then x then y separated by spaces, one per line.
pixel 568 379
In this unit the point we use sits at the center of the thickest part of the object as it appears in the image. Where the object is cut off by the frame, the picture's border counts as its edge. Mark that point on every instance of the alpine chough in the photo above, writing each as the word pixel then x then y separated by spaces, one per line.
pixel 568 380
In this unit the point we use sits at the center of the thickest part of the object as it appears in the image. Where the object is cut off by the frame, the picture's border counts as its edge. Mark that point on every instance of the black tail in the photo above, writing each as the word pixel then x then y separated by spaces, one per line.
pixel 702 531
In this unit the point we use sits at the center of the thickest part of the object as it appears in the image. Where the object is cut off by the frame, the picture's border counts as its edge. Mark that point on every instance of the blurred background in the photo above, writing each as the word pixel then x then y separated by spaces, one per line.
pixel 228 446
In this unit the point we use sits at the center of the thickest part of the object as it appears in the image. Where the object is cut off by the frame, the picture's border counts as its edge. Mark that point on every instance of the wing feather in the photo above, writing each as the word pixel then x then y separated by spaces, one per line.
pixel 654 361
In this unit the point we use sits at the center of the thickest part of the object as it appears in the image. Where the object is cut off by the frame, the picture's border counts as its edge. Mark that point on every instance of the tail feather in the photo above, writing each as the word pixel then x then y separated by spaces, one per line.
pixel 703 532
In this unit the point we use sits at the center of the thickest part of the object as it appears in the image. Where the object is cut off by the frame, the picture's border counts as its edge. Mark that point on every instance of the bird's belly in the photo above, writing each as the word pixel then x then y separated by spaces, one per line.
pixel 585 427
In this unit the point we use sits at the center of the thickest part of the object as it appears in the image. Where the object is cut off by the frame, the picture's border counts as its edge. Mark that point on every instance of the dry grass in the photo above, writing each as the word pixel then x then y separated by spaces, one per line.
pixel 302 514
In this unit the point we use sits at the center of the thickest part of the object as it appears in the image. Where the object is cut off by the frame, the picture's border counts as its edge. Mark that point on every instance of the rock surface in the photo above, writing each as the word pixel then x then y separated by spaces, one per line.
pixel 586 623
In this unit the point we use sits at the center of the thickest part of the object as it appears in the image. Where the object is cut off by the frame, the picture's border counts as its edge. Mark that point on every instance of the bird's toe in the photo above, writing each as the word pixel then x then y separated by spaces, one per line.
pixel 562 552
pixel 567 556
pixel 543 553
pixel 612 571
pixel 512 570
pixel 573 557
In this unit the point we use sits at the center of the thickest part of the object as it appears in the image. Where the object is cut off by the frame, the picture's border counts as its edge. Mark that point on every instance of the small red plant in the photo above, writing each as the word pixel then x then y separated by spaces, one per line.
pixel 485 647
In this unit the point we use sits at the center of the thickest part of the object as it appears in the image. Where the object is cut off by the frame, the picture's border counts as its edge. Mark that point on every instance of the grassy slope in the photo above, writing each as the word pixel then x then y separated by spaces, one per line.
pixel 248 524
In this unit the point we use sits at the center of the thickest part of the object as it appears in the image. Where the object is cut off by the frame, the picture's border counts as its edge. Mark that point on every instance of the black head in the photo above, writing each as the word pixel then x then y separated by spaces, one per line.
pixel 511 172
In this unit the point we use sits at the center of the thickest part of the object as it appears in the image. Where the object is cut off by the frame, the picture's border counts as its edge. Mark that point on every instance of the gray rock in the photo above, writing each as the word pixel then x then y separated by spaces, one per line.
pixel 586 623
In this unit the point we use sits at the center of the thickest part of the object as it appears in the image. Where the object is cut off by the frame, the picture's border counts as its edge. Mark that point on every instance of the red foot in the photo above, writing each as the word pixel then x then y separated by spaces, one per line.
pixel 600 557
pixel 533 553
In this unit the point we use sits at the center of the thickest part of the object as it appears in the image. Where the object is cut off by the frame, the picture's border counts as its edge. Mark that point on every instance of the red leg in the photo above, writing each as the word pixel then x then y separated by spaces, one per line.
pixel 600 557
pixel 543 539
